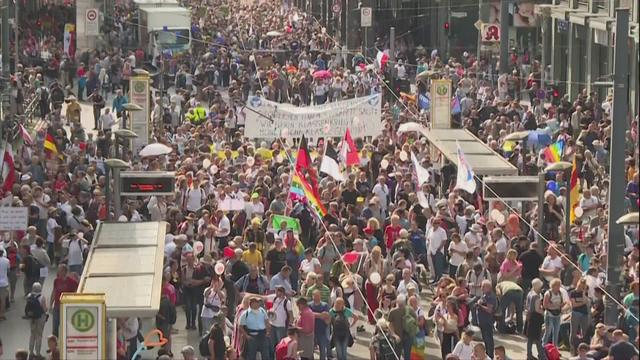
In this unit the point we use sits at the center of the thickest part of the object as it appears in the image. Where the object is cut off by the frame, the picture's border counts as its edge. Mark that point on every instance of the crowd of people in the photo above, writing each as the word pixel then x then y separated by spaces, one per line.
pixel 278 279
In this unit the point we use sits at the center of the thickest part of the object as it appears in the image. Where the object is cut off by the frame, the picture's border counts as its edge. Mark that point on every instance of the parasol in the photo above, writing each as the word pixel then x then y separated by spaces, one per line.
pixel 322 74
pixel 155 149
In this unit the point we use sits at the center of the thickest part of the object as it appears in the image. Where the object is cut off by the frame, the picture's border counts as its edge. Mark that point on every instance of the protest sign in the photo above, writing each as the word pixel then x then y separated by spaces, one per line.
pixel 292 223
pixel 14 218
pixel 362 116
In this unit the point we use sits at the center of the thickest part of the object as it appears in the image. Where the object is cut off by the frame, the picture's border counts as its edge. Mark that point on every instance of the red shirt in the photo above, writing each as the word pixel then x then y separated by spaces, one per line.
pixel 391 233
pixel 60 285
pixel 306 322
pixel 170 291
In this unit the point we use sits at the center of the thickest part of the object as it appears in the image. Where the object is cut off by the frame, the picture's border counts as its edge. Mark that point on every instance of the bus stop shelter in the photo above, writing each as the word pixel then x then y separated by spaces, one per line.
pixel 125 263
pixel 482 159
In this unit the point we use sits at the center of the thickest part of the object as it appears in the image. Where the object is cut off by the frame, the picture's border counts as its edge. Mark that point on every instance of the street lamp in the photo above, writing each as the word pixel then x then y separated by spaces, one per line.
pixel 556 166
pixel 116 165
pixel 126 135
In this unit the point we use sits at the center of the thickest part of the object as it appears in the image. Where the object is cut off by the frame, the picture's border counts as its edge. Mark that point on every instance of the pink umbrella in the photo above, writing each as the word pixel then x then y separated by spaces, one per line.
pixel 322 74
pixel 351 257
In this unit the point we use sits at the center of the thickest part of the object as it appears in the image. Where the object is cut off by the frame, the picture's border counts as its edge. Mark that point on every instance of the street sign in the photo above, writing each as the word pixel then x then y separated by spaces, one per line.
pixel 83 326
pixel 366 17
pixel 336 8
pixel 147 183
pixel 91 23
pixel 490 32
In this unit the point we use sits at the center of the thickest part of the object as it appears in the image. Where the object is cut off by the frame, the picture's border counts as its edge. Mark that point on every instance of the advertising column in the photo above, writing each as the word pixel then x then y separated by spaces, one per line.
pixel 441 104
pixel 83 321
pixel 140 119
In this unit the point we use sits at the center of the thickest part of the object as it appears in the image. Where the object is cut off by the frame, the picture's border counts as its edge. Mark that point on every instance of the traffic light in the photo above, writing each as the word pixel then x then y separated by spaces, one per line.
pixel 447 28
pixel 555 95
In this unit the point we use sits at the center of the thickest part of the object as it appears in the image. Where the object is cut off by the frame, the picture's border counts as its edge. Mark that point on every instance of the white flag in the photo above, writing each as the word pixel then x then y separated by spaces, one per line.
pixel 465 180
pixel 422 173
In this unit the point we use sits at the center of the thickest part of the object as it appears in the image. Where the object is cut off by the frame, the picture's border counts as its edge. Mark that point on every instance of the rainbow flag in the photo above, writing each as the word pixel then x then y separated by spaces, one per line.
pixel 574 191
pixel 300 190
pixel 553 153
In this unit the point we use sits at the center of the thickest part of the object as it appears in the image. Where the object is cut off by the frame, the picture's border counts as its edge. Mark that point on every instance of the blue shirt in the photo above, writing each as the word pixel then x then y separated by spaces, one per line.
pixel 254 320
pixel 321 326
pixel 485 318
pixel 118 103
pixel 278 280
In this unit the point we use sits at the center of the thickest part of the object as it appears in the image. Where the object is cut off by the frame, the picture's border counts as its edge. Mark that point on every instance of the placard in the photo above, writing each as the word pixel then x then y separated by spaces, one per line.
pixel 269 120
pixel 441 104
pixel 83 326
pixel 139 120
pixel 14 218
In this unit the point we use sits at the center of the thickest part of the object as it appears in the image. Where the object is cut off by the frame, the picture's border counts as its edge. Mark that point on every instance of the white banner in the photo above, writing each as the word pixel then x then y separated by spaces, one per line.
pixel 14 218
pixel 268 120
pixel 441 104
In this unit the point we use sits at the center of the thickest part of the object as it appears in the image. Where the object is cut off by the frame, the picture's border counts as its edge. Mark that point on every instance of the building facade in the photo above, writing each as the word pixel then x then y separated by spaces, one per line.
pixel 578 38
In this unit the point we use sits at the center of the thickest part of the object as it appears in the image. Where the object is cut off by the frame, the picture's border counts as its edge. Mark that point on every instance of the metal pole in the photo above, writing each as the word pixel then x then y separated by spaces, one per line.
pixel 6 71
pixel 504 37
pixel 107 190
pixel 615 250
pixel 546 47
pixel 392 56
pixel 567 206
pixel 16 33
pixel 542 187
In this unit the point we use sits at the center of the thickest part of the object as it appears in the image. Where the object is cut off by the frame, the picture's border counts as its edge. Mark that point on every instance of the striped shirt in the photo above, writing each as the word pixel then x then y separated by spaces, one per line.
pixel 325 292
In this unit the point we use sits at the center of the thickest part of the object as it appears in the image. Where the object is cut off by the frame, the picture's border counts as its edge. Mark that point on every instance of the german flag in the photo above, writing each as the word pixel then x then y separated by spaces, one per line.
pixel 50 144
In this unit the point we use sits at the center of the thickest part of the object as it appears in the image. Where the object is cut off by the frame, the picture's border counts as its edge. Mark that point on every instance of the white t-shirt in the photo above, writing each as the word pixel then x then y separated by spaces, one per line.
pixel 4 271
pixel 307 266
pixel 589 202
pixel 463 350
pixel 436 238
pixel 502 245
pixel 195 199
pixel 52 224
pixel 552 264
pixel 473 240
pixel 456 259
pixel 210 298
pixel 224 227
pixel 280 307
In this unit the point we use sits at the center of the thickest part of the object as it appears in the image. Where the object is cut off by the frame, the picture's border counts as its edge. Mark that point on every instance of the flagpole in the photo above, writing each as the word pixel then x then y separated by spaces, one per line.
pixel 4 150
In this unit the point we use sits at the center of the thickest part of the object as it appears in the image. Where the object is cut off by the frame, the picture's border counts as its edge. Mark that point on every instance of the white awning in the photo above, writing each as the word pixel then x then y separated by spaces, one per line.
pixel 125 263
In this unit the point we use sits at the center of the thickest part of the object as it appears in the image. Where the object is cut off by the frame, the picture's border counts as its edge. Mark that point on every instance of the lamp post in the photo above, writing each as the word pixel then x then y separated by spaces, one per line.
pixel 126 135
pixel 116 165
pixel 563 166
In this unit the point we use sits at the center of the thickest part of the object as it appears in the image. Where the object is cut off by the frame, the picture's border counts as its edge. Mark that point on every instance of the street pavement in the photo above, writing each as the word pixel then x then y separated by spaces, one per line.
pixel 14 331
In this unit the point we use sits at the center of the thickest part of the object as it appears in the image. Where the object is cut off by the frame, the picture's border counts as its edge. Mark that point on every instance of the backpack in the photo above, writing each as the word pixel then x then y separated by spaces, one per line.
pixel 410 324
pixel 282 348
pixel 552 352
pixel 33 309
pixel 340 326
pixel 32 267
pixel 203 346
pixel 386 347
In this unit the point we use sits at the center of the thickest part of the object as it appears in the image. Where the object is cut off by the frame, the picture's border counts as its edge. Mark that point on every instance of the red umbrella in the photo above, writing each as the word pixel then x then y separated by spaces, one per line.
pixel 351 257
pixel 322 74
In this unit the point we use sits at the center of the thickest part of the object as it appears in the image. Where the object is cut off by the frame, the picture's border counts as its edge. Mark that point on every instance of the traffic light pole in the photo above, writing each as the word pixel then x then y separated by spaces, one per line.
pixel 617 184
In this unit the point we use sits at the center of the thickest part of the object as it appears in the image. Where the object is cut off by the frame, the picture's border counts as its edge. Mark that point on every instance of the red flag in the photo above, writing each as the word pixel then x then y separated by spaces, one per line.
pixel 303 166
pixel 8 169
pixel 348 151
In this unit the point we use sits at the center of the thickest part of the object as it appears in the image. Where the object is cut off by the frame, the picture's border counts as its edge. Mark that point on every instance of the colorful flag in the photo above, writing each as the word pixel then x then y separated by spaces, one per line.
pixel 330 165
pixel 574 191
pixel 553 153
pixel 348 150
pixel 50 144
pixel 304 165
pixel 8 169
pixel 465 179
pixel 300 190
pixel 424 103
pixel 455 105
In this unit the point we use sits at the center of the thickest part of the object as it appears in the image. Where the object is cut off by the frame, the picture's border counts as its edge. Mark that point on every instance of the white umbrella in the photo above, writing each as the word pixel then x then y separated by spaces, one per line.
pixel 274 33
pixel 155 149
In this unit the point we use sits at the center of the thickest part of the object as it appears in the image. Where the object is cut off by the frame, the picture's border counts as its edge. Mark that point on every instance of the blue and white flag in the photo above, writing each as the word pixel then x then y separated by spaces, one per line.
pixel 424 103
pixel 465 180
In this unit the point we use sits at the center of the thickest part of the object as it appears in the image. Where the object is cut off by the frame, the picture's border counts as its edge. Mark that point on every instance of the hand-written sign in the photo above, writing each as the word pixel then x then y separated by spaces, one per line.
pixel 361 115
pixel 14 218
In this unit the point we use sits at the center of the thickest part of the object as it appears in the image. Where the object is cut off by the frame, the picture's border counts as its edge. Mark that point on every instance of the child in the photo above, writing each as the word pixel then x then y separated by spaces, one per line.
pixel 287 348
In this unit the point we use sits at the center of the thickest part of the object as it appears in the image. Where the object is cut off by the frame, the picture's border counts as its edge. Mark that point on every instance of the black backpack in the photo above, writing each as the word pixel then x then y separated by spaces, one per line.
pixel 32 267
pixel 33 309
pixel 340 326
